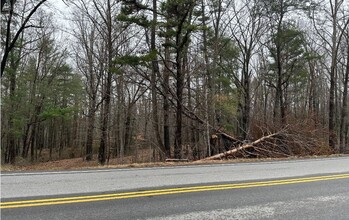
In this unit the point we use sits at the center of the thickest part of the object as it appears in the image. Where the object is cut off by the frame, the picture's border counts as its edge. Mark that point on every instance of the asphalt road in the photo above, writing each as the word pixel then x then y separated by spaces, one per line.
pixel 297 189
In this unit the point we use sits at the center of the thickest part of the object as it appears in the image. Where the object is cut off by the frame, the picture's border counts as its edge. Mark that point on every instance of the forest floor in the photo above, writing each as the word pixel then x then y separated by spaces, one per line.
pixel 79 163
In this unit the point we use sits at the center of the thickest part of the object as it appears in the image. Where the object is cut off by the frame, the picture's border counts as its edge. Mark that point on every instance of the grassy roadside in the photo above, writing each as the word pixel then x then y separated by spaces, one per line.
pixel 78 163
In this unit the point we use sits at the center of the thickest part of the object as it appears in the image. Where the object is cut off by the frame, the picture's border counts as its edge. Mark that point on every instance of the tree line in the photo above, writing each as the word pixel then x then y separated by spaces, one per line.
pixel 174 78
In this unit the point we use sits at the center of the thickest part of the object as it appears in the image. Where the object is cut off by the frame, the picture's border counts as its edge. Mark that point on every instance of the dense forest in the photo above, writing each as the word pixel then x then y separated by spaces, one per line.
pixel 173 79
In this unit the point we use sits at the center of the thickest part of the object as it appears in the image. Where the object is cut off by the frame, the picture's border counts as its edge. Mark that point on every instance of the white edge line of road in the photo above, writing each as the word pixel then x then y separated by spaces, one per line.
pixel 168 167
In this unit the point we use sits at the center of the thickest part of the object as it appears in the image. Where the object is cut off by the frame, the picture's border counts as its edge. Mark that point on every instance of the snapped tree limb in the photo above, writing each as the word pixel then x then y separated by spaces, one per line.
pixel 242 147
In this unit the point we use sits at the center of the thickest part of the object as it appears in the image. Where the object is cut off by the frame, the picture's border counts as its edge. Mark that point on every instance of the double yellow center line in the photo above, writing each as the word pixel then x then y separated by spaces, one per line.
pixel 128 195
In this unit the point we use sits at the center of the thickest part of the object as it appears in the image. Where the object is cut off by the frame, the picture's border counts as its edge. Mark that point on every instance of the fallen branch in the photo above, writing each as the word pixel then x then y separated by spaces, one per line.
pixel 176 160
pixel 243 147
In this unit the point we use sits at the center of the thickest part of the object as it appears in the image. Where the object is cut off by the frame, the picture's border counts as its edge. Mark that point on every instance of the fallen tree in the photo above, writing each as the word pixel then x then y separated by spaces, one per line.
pixel 290 141
pixel 243 147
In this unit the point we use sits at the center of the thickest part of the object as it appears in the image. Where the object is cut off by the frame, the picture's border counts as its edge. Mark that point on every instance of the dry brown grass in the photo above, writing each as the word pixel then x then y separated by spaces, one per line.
pixel 79 164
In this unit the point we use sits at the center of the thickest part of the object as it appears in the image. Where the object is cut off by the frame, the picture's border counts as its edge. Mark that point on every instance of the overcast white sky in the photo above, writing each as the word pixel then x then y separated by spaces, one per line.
pixel 60 13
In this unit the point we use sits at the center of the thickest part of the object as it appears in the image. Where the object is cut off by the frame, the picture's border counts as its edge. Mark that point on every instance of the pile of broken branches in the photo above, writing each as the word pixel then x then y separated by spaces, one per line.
pixel 284 143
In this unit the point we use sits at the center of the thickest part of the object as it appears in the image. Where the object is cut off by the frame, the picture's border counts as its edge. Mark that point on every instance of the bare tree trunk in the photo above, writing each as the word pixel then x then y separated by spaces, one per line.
pixel 120 118
pixel 128 128
pixel 11 136
pixel 333 70
pixel 52 139
pixel 179 108
pixel 155 73
pixel 208 98
pixel 104 121
pixel 344 119
pixel 90 130
pixel 107 89
pixel 191 129
pixel 279 96
pixel 166 106
pixel 247 104
pixel 33 143
pixel 26 138
pixel 331 112
pixel 312 93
